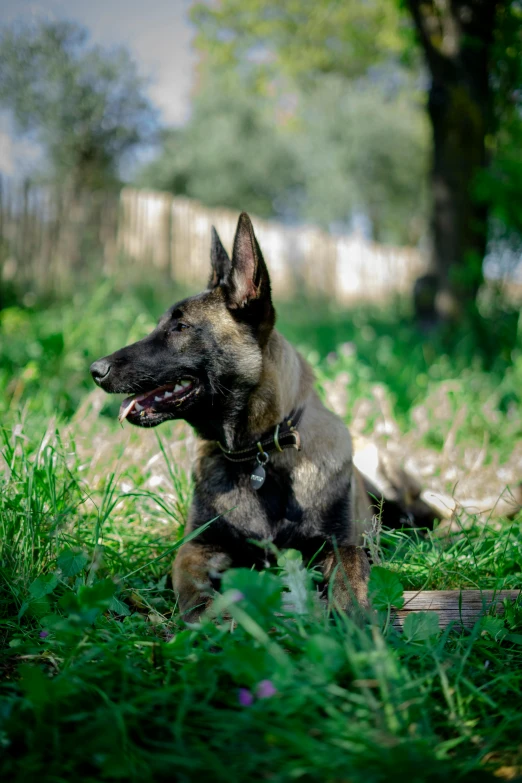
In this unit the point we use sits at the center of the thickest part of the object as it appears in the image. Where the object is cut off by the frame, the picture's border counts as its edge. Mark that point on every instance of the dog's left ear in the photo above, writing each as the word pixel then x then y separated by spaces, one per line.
pixel 247 287
pixel 249 280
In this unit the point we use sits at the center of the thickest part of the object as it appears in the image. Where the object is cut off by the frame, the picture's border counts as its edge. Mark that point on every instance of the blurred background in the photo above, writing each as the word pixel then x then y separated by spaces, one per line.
pixel 377 146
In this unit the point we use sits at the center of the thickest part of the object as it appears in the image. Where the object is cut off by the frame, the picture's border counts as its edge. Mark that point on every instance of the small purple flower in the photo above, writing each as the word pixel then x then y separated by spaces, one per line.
pixel 44 634
pixel 244 697
pixel 234 596
pixel 266 689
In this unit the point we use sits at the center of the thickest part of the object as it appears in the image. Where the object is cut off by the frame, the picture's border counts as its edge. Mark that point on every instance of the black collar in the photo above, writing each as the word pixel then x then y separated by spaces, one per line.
pixel 284 436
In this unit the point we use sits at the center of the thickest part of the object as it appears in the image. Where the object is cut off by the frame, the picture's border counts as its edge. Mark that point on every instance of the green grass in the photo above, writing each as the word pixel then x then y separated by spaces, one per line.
pixel 101 680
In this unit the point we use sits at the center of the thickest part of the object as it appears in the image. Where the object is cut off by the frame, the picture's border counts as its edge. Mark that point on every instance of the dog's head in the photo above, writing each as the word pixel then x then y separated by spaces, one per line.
pixel 206 351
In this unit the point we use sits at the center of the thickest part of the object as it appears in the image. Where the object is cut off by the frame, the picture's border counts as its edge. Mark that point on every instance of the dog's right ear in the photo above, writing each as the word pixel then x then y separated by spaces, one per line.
pixel 221 264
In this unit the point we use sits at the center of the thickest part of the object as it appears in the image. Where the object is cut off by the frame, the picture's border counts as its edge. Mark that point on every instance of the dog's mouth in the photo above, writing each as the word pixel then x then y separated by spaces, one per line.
pixel 165 402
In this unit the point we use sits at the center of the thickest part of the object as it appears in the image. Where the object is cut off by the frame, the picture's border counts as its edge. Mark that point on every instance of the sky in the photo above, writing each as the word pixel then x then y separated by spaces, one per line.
pixel 157 33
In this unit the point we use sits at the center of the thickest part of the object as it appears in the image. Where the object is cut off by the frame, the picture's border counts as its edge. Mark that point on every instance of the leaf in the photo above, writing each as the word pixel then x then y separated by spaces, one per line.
pixel 119 607
pixel 69 602
pixel 385 589
pixel 516 638
pixel 35 685
pixel 50 620
pixel 261 592
pixel 161 585
pixel 419 626
pixel 180 647
pixel 297 580
pixel 246 665
pixel 98 595
pixel 39 607
pixel 325 653
pixel 43 585
pixel 288 556
pixel 260 588
pixel 494 626
pixel 71 563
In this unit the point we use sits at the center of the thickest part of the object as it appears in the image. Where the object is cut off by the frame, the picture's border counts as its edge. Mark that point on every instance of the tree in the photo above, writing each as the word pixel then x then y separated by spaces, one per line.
pixel 85 106
pixel 305 37
pixel 457 39
pixel 350 39
pixel 362 148
pixel 231 153
pixel 500 185
pixel 322 155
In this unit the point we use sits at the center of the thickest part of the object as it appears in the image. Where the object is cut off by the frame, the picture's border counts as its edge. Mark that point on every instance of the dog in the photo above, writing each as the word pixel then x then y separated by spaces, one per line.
pixel 274 464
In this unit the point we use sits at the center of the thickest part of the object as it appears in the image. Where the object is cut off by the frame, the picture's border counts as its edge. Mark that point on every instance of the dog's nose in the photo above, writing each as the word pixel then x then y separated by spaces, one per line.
pixel 100 370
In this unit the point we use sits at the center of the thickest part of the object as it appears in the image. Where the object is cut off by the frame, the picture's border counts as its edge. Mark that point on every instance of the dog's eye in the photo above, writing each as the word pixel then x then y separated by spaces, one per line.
pixel 179 326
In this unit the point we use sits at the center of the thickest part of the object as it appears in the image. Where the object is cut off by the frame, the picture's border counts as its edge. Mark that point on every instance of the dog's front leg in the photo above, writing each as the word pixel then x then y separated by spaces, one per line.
pixel 350 570
pixel 196 568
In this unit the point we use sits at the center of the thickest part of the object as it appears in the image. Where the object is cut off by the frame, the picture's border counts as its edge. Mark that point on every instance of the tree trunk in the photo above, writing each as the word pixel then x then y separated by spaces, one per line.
pixel 456 37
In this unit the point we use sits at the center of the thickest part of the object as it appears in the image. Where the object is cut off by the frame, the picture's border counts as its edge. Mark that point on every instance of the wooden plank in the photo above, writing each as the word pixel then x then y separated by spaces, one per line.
pixel 464 607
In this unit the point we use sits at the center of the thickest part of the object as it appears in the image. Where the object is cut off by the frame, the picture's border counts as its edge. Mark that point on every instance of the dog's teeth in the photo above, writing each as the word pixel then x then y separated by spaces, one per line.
pixel 138 407
pixel 158 399
pixel 123 415
pixel 168 394
pixel 178 388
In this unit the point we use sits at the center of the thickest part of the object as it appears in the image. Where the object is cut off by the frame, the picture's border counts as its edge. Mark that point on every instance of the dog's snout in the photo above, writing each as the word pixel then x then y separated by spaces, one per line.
pixel 100 370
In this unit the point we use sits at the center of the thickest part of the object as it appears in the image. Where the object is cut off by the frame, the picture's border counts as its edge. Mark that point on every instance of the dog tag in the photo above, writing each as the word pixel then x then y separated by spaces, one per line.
pixel 257 477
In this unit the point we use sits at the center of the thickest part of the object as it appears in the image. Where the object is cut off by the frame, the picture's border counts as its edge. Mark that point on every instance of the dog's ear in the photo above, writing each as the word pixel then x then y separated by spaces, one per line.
pixel 219 260
pixel 247 287
pixel 249 280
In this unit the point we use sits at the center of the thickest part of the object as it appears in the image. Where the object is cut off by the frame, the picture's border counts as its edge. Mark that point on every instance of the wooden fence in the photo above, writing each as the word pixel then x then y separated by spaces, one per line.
pixel 50 238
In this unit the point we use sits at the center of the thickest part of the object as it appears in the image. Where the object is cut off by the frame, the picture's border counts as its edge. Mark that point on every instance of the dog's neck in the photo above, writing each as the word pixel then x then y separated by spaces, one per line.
pixel 285 383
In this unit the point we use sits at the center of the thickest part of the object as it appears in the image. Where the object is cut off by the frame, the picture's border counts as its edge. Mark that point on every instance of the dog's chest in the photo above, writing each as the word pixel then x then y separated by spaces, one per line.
pixel 277 498
pixel 267 511
pixel 282 513
pixel 274 514
pixel 293 509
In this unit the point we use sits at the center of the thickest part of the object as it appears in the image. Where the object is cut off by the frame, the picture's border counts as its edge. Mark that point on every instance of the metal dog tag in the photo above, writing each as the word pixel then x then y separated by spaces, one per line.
pixel 257 477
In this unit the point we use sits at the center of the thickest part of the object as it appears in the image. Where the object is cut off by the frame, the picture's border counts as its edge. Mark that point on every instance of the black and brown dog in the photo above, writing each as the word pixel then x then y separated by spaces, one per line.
pixel 274 464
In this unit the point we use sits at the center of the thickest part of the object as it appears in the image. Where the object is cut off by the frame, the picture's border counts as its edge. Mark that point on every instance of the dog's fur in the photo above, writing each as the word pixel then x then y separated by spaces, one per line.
pixel 246 378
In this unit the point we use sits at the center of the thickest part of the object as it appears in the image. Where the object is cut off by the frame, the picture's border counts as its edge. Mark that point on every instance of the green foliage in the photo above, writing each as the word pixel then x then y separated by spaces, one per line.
pixel 499 187
pixel 421 626
pixel 230 153
pixel 345 38
pixel 51 344
pixel 99 687
pixel 86 106
pixel 305 114
pixel 385 589
pixel 297 581
pixel 100 678
pixel 71 563
pixel 362 150
pixel 334 73
pixel 325 154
